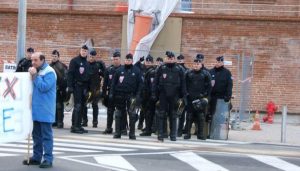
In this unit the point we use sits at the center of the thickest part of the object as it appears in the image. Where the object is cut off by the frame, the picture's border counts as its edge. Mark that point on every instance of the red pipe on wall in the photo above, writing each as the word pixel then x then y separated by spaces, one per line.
pixel 70 4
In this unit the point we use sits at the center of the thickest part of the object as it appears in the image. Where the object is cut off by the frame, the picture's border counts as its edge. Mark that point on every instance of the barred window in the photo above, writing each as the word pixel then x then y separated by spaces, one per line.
pixel 186 5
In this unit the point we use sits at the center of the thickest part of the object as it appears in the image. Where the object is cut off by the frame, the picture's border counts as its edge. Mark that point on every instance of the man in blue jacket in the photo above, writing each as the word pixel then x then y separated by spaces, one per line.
pixel 43 111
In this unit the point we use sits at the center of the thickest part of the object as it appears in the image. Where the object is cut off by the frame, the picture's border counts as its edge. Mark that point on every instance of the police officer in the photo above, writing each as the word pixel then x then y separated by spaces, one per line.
pixel 96 69
pixel 170 86
pixel 61 71
pixel 126 86
pixel 106 88
pixel 198 86
pixel 148 105
pixel 25 63
pixel 221 87
pixel 141 66
pixel 159 61
pixel 182 118
pixel 78 83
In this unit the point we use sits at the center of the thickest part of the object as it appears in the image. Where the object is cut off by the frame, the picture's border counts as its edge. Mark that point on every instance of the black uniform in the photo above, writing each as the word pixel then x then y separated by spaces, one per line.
pixel 182 117
pixel 61 71
pixel 148 104
pixel 96 70
pixel 142 113
pixel 127 84
pixel 198 86
pixel 222 89
pixel 78 80
pixel 170 85
pixel 106 88
pixel 23 65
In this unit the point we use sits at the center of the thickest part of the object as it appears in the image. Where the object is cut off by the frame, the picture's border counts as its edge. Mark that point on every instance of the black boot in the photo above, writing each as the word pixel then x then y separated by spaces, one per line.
pixel 188 126
pixel 132 121
pixel 173 128
pixel 109 121
pixel 200 126
pixel 117 127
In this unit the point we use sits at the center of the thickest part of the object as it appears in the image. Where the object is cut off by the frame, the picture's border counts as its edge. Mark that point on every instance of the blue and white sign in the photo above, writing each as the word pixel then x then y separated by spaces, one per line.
pixel 15 106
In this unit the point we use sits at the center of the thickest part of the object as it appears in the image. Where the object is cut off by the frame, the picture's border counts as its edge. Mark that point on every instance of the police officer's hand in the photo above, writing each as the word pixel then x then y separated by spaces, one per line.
pixel 69 90
pixel 226 99
pixel 208 118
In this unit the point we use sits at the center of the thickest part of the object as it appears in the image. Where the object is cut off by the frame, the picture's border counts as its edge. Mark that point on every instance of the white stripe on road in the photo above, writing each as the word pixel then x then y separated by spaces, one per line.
pixel 110 144
pixel 115 162
pixel 197 162
pixel 14 146
pixel 7 155
pixel 19 150
pixel 93 147
pixel 276 162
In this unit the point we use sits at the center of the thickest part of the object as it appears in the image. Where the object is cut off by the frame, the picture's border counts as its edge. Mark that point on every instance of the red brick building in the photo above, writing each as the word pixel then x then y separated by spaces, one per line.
pixel 268 29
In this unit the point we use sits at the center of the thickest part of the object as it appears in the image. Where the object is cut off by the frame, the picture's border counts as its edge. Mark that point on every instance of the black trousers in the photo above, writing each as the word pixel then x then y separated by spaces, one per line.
pixel 167 109
pixel 59 113
pixel 149 114
pixel 79 93
pixel 95 97
pixel 195 116
pixel 122 103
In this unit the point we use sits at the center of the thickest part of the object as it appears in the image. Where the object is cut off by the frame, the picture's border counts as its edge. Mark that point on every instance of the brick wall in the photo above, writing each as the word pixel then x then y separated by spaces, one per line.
pixel 275 43
pixel 66 33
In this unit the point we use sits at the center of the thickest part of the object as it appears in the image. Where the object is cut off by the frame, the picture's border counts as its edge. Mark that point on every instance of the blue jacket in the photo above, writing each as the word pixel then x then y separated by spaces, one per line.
pixel 44 95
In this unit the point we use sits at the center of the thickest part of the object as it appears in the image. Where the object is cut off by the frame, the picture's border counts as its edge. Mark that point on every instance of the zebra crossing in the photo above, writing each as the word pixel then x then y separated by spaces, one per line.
pixel 102 152
pixel 187 161
pixel 71 146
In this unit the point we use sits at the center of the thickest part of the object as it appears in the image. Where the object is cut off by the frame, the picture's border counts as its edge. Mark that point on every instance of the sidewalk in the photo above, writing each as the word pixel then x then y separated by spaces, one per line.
pixel 270 133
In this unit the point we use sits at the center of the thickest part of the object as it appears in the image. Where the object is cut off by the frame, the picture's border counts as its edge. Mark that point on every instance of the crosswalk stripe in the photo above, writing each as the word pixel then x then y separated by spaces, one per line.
pixel 93 147
pixel 19 150
pixel 7 155
pixel 153 139
pixel 14 146
pixel 276 162
pixel 115 162
pixel 197 162
pixel 111 144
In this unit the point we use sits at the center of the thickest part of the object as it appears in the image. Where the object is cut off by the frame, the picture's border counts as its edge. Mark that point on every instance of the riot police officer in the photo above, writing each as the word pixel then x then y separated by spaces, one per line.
pixel 126 86
pixel 78 84
pixel 198 86
pixel 148 105
pixel 106 88
pixel 25 63
pixel 140 64
pixel 221 86
pixel 170 86
pixel 182 118
pixel 61 71
pixel 96 69
pixel 159 61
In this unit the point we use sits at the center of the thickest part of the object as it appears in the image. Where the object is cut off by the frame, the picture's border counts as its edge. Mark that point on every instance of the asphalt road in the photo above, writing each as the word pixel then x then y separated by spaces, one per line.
pixel 94 151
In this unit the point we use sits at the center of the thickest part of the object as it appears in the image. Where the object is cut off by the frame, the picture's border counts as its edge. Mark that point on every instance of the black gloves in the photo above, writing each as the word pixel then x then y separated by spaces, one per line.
pixel 226 99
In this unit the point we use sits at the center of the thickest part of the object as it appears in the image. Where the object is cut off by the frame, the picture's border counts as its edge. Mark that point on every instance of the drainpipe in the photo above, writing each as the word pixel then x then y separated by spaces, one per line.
pixel 70 4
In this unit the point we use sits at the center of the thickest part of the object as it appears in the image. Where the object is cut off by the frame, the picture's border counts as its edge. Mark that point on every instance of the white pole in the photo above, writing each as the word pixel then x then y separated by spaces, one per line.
pixel 283 124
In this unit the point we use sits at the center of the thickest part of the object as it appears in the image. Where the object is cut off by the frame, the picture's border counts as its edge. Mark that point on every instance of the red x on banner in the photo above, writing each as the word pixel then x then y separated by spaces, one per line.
pixel 10 89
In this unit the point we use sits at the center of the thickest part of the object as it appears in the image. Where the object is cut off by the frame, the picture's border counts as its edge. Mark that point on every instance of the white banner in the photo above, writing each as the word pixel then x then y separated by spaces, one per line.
pixel 15 108
pixel 9 67
pixel 148 7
